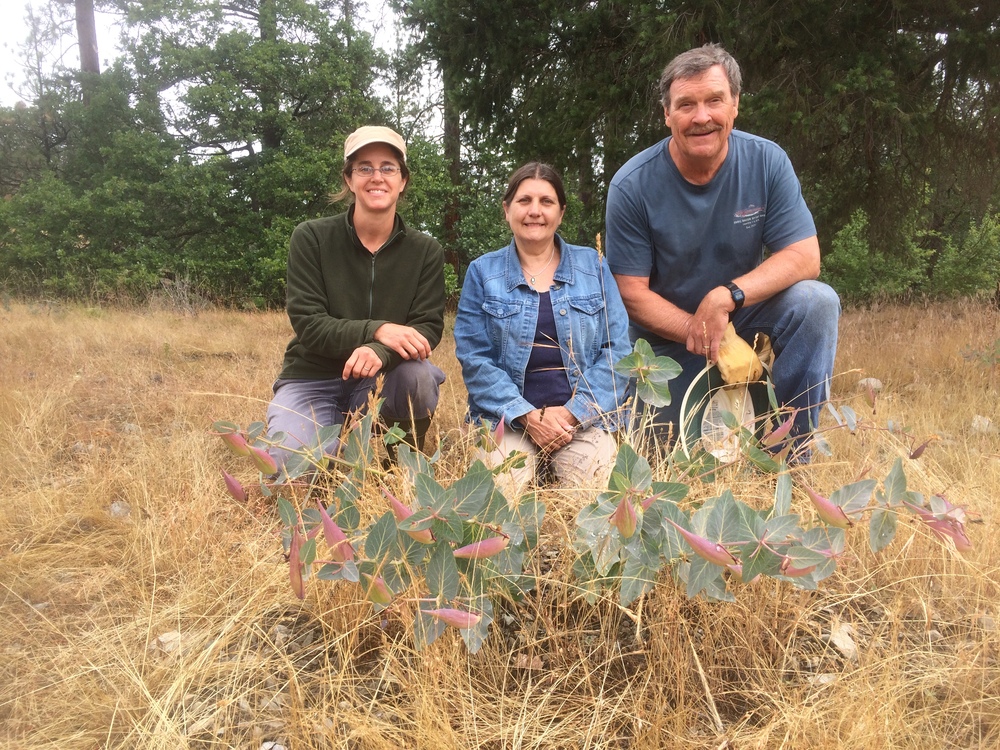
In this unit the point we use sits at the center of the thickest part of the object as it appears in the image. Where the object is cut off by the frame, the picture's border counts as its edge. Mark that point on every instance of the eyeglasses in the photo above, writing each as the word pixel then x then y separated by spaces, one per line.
pixel 387 170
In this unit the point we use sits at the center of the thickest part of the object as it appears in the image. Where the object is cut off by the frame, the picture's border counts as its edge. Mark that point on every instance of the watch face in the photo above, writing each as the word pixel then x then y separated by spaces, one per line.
pixel 737 295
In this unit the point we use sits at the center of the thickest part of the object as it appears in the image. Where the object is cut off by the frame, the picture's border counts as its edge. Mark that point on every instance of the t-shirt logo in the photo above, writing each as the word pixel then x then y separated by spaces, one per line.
pixel 750 216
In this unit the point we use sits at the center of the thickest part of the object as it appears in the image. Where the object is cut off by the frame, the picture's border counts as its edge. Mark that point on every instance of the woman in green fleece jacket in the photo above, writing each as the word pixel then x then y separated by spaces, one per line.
pixel 365 298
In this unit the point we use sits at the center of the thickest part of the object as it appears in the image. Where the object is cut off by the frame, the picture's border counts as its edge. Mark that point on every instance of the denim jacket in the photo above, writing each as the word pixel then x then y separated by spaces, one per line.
pixel 495 329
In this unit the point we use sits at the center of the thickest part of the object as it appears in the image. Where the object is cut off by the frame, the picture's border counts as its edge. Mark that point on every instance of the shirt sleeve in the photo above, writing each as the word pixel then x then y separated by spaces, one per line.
pixel 788 218
pixel 627 238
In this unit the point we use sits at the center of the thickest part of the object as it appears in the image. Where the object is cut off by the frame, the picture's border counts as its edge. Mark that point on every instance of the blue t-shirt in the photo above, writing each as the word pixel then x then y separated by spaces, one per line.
pixel 689 239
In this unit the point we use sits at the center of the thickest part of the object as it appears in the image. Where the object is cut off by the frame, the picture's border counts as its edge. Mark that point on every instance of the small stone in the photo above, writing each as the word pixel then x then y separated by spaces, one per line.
pixel 987 623
pixel 841 637
pixel 120 509
pixel 982 425
pixel 282 634
pixel 870 384
pixel 169 642
pixel 523 661
pixel 130 428
pixel 821 679
pixel 933 636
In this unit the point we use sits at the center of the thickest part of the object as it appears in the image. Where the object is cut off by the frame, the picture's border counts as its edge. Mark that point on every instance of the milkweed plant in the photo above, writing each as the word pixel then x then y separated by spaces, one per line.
pixel 452 551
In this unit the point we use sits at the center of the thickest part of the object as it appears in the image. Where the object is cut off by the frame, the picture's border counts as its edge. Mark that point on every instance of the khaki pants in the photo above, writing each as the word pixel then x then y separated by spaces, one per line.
pixel 584 464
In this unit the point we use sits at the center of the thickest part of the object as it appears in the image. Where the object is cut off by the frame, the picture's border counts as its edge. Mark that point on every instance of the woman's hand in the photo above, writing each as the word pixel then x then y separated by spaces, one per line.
pixel 550 428
pixel 363 363
pixel 407 342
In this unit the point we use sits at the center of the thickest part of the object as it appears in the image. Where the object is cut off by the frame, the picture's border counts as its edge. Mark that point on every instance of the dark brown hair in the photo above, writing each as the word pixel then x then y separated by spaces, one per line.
pixel 535 170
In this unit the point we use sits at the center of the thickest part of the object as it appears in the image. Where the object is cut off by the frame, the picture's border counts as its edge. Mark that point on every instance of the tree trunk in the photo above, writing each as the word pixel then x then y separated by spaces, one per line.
pixel 271 132
pixel 86 35
pixel 453 156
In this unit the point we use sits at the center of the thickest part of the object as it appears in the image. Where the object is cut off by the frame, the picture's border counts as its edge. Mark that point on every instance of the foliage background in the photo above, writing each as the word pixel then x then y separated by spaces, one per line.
pixel 190 157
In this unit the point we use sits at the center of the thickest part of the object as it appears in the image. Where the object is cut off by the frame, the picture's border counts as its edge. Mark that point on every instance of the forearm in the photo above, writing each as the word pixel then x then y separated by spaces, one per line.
pixel 797 262
pixel 651 311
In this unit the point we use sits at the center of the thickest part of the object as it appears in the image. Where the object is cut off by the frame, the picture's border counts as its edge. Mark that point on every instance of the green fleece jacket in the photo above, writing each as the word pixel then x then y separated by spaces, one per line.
pixel 339 294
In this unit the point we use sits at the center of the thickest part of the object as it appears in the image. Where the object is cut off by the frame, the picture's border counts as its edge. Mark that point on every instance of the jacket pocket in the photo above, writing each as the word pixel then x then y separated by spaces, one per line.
pixel 591 305
pixel 501 308
pixel 588 323
pixel 501 314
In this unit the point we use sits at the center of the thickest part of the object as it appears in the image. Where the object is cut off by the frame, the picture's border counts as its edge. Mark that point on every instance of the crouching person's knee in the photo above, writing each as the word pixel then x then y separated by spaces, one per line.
pixel 412 388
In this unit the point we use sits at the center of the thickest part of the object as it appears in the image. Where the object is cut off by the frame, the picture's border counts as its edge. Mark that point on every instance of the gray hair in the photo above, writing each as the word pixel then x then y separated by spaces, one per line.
pixel 696 61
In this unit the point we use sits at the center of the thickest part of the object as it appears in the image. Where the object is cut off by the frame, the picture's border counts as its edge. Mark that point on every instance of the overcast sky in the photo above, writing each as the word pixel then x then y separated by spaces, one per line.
pixel 14 32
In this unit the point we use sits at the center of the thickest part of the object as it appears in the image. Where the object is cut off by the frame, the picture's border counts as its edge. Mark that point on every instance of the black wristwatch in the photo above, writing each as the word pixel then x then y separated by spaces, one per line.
pixel 738 297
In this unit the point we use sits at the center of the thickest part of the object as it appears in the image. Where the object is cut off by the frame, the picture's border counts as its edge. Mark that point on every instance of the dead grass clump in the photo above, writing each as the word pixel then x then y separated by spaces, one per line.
pixel 144 608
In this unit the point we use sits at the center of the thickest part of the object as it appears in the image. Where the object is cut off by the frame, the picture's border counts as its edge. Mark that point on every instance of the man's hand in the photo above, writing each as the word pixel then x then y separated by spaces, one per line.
pixel 709 322
pixel 550 428
pixel 363 363
pixel 407 342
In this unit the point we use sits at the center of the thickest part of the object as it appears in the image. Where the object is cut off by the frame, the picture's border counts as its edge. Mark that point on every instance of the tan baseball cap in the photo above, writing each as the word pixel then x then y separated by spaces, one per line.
pixel 368 134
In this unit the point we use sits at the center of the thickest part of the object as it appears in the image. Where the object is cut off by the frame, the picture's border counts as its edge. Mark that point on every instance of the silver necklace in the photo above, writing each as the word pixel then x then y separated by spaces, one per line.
pixel 533 274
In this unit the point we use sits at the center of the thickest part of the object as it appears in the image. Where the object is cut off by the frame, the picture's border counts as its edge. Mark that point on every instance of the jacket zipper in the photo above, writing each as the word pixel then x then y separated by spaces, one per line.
pixel 371 286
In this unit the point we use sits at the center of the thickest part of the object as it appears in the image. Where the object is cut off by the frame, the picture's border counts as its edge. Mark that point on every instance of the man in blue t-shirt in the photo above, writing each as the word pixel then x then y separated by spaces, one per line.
pixel 688 221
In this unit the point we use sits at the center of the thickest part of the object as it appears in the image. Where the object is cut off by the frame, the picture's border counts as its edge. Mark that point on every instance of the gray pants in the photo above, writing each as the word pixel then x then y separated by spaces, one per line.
pixel 301 407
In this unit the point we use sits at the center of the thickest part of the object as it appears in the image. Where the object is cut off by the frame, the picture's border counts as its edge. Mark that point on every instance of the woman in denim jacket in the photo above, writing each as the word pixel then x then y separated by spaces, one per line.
pixel 540 326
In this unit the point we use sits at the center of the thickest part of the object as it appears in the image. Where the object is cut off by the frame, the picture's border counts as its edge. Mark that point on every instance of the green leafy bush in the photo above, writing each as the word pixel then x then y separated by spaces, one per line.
pixel 971 266
pixel 464 544
pixel 861 272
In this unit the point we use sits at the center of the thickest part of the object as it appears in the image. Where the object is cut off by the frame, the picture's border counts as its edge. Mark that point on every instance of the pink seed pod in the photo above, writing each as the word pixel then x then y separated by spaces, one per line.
pixel 457 618
pixel 624 518
pixel 484 548
pixel 295 566
pixel 919 450
pixel 498 434
pixel 262 460
pixel 830 513
pixel 340 548
pixel 233 487
pixel 869 394
pixel 790 572
pixel 236 443
pixel 948 527
pixel 401 513
pixel 711 551
pixel 378 591
pixel 780 432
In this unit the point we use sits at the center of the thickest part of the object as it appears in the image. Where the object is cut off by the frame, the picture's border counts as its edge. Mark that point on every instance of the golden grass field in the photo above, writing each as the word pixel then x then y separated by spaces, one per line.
pixel 142 607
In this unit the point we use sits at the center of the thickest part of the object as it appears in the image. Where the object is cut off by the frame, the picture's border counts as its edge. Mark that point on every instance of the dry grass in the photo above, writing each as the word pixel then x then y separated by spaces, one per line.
pixel 174 626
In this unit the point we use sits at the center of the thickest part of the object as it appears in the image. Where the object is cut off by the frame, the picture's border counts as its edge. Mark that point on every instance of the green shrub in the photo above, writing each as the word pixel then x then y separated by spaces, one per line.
pixel 860 272
pixel 971 266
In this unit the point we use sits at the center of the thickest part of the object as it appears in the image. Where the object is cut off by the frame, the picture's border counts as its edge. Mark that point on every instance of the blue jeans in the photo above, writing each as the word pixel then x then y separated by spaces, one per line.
pixel 802 324
pixel 301 407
